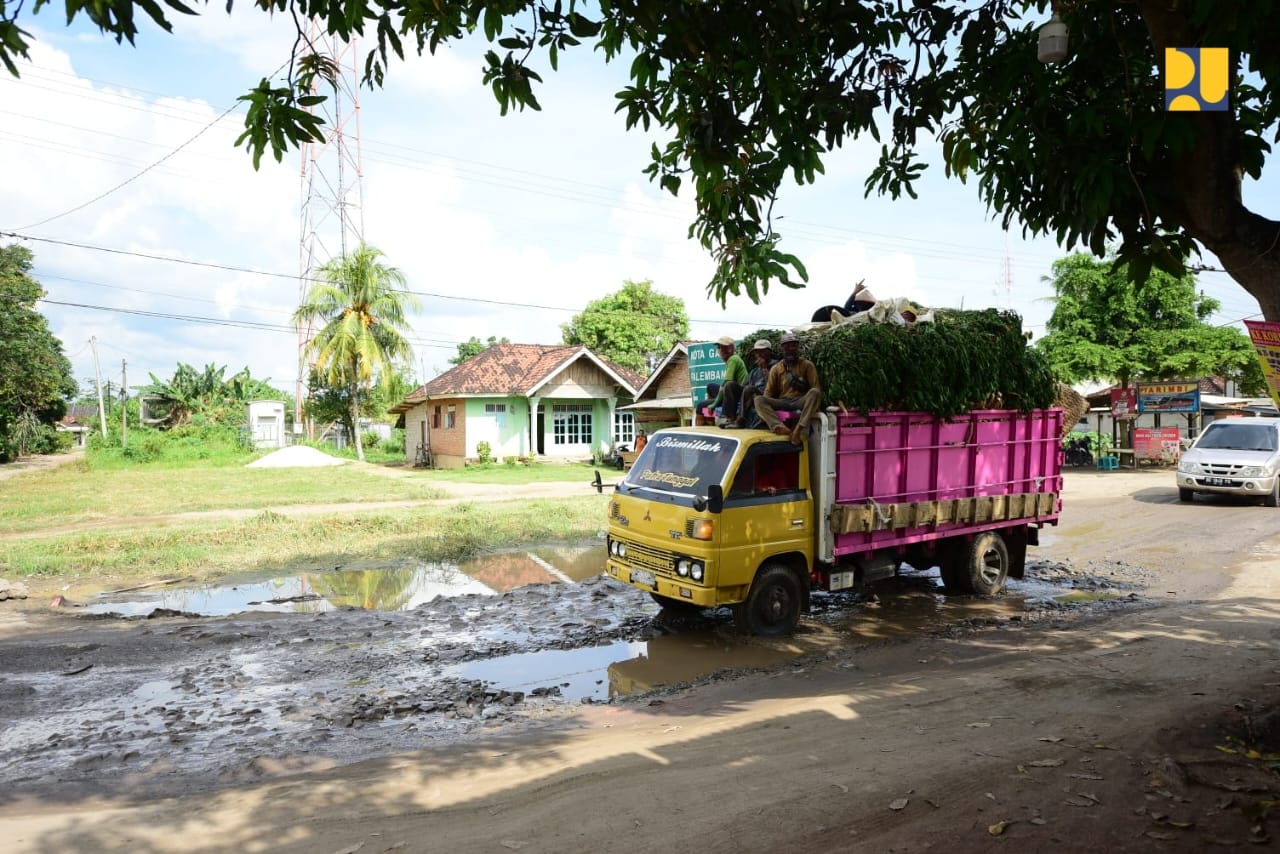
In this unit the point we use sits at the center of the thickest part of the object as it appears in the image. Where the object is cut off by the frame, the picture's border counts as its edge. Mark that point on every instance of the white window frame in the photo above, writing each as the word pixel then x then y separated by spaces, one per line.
pixel 624 426
pixel 571 423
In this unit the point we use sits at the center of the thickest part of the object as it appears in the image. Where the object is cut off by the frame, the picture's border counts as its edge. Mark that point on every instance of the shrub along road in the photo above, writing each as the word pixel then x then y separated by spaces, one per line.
pixel 1123 726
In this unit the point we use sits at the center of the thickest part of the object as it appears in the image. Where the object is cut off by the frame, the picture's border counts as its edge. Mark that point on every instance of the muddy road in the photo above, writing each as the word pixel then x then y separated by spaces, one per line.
pixel 528 704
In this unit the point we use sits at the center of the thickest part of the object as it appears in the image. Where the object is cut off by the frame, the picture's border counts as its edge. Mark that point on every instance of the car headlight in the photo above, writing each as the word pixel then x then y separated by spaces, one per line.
pixel 696 571
pixel 1251 471
pixel 682 568
pixel 1189 467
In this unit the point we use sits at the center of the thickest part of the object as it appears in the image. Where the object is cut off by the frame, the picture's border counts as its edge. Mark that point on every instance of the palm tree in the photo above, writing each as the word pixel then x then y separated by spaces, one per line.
pixel 359 305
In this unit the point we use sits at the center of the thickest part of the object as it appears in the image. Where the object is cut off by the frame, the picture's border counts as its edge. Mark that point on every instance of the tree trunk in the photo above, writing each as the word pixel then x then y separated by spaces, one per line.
pixel 355 420
pixel 1208 178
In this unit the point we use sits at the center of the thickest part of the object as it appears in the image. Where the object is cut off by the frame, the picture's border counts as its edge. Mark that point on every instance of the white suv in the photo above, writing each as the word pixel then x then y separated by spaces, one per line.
pixel 1235 456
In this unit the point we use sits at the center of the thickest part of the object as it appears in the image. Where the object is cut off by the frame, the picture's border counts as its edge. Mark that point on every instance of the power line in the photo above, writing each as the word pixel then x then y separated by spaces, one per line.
pixel 254 325
pixel 146 169
pixel 428 294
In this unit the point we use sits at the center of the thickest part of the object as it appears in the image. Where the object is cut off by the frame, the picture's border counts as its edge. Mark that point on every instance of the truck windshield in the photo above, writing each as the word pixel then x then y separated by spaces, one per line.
pixel 683 464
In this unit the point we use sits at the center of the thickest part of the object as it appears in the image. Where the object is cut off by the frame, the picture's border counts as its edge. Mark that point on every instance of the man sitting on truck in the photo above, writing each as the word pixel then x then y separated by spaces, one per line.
pixel 762 353
pixel 792 386
pixel 727 395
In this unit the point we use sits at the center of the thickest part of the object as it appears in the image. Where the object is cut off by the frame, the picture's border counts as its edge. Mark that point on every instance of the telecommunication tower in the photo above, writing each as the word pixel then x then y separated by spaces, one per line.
pixel 332 210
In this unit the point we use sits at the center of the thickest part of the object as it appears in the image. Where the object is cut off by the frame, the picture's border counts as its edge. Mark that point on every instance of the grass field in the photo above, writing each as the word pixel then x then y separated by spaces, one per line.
pixel 84 521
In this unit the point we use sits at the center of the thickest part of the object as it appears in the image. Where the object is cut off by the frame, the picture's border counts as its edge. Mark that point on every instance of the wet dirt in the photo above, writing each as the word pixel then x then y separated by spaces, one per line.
pixel 96 706
pixel 378 661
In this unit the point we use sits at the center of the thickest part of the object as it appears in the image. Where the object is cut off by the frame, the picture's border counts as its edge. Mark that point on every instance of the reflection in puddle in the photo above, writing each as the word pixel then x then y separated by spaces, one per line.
pixel 400 587
pixel 631 668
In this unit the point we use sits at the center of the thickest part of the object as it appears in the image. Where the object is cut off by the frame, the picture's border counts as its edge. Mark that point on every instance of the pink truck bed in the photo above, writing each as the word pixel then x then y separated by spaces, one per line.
pixel 888 458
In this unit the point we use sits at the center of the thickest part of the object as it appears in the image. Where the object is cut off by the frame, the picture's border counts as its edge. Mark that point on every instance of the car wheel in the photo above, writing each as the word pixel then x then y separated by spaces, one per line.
pixel 1186 495
pixel 772 608
pixel 1273 499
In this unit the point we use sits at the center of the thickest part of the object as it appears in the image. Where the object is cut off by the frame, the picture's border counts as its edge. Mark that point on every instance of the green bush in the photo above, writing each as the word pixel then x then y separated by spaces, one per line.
pixel 369 439
pixel 395 444
pixel 1099 443
pixel 203 443
pixel 484 452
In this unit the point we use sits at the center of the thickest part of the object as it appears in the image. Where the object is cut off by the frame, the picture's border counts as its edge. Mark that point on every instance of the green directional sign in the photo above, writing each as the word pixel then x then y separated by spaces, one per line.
pixel 705 367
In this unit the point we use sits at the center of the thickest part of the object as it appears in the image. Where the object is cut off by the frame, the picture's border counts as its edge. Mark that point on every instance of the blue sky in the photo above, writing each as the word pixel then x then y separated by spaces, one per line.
pixel 486 215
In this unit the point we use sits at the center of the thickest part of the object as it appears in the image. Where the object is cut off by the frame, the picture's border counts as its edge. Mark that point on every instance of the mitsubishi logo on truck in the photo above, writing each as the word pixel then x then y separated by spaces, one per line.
pixel 647 517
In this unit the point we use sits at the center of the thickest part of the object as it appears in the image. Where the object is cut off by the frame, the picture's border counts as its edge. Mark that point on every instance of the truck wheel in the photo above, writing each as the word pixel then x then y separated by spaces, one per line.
pixel 984 565
pixel 675 606
pixel 1186 495
pixel 772 608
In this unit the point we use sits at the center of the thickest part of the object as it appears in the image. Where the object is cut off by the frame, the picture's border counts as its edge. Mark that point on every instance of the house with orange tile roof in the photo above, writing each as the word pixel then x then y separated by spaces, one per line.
pixel 665 398
pixel 524 400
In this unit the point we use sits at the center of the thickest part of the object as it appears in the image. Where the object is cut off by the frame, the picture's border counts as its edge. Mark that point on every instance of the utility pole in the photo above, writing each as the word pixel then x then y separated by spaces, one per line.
pixel 97 372
pixel 124 404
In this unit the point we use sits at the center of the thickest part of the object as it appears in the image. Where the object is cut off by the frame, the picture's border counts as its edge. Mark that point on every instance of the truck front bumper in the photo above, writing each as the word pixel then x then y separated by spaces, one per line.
pixel 661 583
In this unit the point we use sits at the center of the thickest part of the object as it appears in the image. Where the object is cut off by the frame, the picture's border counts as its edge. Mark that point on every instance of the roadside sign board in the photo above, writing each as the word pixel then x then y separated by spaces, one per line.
pixel 1168 397
pixel 704 367
pixel 1124 403
pixel 1265 336
pixel 1157 443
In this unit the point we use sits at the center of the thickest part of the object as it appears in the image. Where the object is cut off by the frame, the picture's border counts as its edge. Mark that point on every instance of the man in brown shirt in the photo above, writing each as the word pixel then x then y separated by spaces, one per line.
pixel 792 385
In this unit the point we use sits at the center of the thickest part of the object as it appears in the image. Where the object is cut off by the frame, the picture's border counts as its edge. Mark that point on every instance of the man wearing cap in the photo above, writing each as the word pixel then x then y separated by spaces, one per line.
pixel 762 353
pixel 792 385
pixel 735 372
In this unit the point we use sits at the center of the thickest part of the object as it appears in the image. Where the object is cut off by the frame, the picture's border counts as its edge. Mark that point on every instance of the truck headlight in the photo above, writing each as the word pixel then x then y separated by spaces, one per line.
pixel 696 571
pixel 1251 471
pixel 622 549
pixel 682 568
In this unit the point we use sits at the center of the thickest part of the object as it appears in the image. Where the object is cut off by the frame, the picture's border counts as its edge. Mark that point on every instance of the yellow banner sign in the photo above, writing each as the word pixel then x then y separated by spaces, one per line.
pixel 1265 336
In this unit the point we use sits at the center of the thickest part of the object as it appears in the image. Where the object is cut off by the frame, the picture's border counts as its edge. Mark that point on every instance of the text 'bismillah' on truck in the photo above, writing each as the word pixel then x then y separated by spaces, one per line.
pixel 708 518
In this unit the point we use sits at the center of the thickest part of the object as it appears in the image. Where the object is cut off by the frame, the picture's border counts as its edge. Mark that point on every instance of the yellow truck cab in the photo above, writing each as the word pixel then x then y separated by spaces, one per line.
pixel 709 517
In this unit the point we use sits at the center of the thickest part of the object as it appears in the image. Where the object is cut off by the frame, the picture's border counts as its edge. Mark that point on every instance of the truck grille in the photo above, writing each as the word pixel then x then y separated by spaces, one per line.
pixel 653 559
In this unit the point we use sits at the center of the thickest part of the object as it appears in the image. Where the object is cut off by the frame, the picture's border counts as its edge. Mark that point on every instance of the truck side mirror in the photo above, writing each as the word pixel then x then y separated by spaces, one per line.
pixel 715 498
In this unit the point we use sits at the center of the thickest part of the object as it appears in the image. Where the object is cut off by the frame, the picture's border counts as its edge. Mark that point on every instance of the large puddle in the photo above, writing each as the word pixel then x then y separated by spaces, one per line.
pixel 370 587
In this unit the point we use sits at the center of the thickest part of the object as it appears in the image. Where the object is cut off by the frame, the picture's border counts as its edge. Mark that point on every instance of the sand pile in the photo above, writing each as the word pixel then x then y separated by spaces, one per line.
pixel 296 456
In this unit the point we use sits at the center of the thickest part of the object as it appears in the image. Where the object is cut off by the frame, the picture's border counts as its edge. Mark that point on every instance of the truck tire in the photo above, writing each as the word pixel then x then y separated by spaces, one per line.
pixel 983 566
pixel 675 606
pixel 772 608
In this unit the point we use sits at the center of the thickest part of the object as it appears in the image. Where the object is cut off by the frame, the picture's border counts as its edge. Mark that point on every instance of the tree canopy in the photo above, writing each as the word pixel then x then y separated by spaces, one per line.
pixel 358 304
pixel 35 376
pixel 208 393
pixel 473 346
pixel 1082 150
pixel 630 325
pixel 1104 327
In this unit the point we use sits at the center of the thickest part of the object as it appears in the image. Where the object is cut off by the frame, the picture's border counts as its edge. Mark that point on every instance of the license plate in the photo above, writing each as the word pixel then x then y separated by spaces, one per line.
pixel 1218 481
pixel 643 576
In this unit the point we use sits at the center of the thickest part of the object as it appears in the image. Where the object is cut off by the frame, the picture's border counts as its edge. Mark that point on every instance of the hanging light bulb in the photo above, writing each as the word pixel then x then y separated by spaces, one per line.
pixel 1053 41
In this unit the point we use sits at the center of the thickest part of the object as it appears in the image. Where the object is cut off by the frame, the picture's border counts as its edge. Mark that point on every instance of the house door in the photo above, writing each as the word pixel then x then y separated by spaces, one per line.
pixel 542 432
